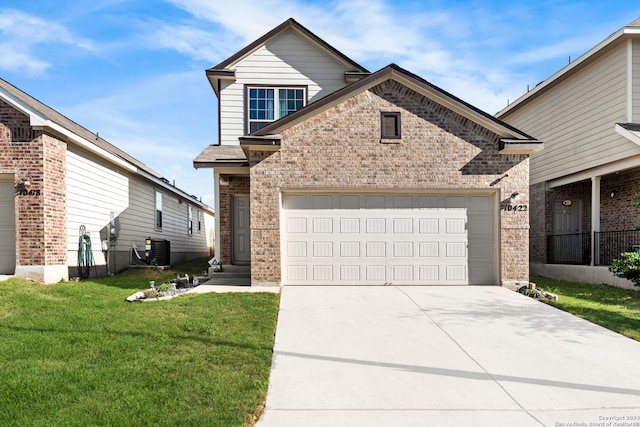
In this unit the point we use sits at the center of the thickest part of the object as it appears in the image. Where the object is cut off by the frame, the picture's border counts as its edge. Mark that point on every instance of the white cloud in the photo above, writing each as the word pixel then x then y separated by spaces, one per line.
pixel 147 119
pixel 22 32
pixel 195 43
pixel 561 49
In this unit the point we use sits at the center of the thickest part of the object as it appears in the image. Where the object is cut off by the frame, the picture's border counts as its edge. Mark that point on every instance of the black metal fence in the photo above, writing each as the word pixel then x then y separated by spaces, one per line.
pixel 610 244
pixel 569 249
pixel 576 248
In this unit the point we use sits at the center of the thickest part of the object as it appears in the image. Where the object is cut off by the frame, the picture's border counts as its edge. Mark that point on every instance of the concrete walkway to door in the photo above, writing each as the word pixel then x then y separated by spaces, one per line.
pixel 444 356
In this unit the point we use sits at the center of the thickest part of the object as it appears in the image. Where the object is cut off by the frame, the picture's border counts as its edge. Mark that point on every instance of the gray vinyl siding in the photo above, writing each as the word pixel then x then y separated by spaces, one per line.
pixel 636 81
pixel 290 59
pixel 576 119
pixel 95 189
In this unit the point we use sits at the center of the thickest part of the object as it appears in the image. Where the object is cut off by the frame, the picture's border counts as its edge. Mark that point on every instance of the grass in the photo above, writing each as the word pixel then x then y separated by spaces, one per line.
pixel 614 308
pixel 76 354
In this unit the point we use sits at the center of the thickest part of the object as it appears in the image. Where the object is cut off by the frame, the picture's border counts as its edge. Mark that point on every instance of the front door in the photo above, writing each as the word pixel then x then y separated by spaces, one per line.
pixel 567 244
pixel 241 231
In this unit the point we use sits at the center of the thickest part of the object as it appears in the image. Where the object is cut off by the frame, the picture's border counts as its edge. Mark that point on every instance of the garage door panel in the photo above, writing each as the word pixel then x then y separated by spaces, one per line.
pixel 402 249
pixel 376 249
pixel 429 249
pixel 322 225
pixel 376 273
pixel 322 249
pixel 296 249
pixel 296 225
pixel 456 226
pixel 378 239
pixel 402 273
pixel 428 225
pixel 376 225
pixel 350 273
pixel 349 225
pixel 296 273
pixel 322 273
pixel 456 249
pixel 456 273
pixel 349 249
pixel 429 273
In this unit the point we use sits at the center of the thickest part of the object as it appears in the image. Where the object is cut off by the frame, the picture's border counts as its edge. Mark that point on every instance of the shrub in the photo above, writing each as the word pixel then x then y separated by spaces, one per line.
pixel 627 267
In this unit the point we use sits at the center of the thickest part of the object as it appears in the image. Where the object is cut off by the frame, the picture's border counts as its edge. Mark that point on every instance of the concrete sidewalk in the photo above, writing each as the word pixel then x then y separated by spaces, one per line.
pixel 444 356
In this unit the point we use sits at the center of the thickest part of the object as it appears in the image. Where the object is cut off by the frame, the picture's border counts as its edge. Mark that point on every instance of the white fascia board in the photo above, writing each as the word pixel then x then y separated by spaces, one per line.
pixel 38 121
pixel 631 136
pixel 522 148
pixel 584 57
pixel 88 145
pixel 619 166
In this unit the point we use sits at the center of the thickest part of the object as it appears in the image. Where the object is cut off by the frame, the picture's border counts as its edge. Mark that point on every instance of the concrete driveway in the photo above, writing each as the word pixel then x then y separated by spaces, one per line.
pixel 444 356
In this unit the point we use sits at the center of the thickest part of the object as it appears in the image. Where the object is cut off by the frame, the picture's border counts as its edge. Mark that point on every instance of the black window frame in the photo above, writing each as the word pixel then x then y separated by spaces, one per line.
pixel 390 125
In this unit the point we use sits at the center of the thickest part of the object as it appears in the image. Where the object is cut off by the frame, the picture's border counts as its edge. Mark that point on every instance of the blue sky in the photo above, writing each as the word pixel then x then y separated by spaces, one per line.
pixel 133 70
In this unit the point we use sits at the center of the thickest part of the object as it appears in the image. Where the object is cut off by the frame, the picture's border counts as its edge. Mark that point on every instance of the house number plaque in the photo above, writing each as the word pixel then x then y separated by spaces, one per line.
pixel 27 192
pixel 515 208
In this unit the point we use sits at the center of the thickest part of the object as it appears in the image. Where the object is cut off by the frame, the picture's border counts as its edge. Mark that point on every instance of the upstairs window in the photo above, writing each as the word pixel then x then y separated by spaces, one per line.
pixel 390 125
pixel 267 104
pixel 189 220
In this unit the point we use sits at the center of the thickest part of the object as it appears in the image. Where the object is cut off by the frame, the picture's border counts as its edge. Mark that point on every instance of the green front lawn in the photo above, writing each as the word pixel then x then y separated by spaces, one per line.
pixel 614 308
pixel 77 354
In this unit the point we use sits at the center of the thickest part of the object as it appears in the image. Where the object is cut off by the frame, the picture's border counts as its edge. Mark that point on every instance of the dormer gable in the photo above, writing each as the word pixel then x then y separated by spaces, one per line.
pixel 277 74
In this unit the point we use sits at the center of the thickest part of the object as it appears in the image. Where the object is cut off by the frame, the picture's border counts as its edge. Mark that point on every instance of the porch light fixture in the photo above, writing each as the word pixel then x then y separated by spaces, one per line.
pixel 613 193
pixel 515 196
pixel 23 184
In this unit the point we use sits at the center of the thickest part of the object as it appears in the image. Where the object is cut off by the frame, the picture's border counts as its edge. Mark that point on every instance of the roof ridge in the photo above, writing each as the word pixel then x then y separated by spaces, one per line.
pixel 286 25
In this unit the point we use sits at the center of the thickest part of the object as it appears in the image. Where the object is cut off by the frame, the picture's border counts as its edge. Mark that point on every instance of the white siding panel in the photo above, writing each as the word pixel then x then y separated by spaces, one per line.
pixel 287 60
pixel 576 119
pixel 93 192
pixel 95 189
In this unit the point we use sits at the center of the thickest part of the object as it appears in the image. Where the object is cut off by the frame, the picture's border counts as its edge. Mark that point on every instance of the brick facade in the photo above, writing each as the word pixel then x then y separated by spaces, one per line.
pixel 35 156
pixel 340 149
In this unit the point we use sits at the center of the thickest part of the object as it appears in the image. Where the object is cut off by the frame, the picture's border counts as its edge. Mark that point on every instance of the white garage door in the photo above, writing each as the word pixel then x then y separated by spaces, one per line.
pixel 388 239
pixel 7 228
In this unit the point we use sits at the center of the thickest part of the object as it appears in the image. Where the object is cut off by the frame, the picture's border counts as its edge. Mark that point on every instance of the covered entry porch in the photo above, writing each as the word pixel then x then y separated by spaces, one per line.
pixel 586 220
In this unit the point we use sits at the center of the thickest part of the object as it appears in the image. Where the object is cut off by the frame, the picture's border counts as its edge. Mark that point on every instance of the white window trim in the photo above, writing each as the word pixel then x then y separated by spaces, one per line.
pixel 276 102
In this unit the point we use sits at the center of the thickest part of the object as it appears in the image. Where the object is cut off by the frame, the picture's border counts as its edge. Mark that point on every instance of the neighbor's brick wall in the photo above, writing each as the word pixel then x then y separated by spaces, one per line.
pixel 54 199
pixel 619 212
pixel 340 148
pixel 40 218
pixel 237 185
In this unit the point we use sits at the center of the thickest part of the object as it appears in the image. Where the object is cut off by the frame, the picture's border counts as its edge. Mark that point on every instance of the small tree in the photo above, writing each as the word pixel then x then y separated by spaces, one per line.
pixel 627 267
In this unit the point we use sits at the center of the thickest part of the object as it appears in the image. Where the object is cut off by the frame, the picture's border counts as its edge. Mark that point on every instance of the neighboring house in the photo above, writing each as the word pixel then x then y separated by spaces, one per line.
pixel 328 174
pixel 58 180
pixel 583 184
